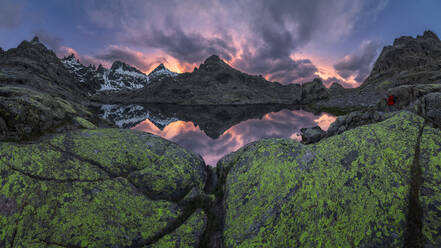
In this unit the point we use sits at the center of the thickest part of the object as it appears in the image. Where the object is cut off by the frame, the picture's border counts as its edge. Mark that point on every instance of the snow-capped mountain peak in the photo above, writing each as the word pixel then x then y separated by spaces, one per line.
pixel 80 72
pixel 160 67
pixel 71 62
pixel 161 71
pixel 119 76
pixel 122 76
pixel 126 116
pixel 122 68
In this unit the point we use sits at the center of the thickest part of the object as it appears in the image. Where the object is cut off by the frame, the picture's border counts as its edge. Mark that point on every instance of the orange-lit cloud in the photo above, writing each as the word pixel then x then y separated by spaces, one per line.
pixel 65 51
pixel 326 69
pixel 146 62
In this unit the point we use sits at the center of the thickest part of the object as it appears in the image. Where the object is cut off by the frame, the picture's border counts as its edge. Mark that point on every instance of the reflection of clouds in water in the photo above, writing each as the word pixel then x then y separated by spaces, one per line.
pixel 324 121
pixel 283 124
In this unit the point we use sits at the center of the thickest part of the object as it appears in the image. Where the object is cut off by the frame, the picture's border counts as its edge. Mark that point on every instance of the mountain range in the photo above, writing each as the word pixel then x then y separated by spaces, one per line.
pixel 409 69
pixel 120 76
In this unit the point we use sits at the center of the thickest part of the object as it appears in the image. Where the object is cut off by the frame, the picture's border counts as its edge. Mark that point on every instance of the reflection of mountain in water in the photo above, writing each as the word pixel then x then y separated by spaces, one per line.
pixel 127 116
pixel 213 120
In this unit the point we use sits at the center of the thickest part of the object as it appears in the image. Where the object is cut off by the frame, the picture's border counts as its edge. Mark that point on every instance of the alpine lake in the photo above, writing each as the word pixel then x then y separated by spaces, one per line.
pixel 214 131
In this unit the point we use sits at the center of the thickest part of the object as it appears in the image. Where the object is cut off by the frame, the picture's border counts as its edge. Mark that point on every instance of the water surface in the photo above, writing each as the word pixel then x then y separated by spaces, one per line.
pixel 213 133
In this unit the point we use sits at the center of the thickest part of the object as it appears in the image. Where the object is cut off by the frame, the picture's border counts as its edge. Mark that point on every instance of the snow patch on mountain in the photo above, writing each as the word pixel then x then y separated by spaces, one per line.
pixel 79 71
pixel 163 72
pixel 125 116
pixel 117 79
pixel 107 85
pixel 161 122
pixel 120 76
pixel 131 73
pixel 120 79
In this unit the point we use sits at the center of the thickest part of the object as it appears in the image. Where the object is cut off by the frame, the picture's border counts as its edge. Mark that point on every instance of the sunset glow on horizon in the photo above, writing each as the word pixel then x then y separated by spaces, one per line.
pixel 284 41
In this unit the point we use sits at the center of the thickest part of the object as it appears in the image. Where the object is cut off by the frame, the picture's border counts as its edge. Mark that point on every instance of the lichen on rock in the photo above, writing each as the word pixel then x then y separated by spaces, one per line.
pixel 430 191
pixel 96 188
pixel 349 190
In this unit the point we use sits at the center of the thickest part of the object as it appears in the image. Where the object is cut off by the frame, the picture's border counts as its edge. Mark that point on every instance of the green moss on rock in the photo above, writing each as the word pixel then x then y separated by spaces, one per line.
pixel 59 193
pixel 349 190
pixel 163 168
pixel 85 123
pixel 430 191
pixel 28 113
pixel 119 188
pixel 187 235
pixel 65 105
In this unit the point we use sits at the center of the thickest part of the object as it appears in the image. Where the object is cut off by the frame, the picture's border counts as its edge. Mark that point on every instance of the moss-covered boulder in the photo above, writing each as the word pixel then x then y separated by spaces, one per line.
pixel 26 113
pixel 100 188
pixel 372 186
pixel 187 235
pixel 430 191
pixel 351 190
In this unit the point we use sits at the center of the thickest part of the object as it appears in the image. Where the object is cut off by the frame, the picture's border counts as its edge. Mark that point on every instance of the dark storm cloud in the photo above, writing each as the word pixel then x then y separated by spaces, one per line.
pixel 256 36
pixel 114 53
pixel 186 47
pixel 359 63
pixel 282 27
pixel 106 56
pixel 10 13
pixel 288 70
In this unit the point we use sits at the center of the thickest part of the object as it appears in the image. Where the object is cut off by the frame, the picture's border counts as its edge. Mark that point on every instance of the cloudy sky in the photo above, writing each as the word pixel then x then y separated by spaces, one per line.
pixel 289 41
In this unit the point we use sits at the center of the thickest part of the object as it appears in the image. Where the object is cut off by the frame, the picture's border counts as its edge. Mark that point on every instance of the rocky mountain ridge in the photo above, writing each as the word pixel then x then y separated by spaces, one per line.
pixel 217 83
pixel 213 83
pixel 408 60
pixel 38 95
pixel 120 76
pixel 161 71
pixel 407 70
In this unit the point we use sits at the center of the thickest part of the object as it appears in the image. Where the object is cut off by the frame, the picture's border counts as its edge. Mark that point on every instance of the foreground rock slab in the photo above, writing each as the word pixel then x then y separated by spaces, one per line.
pixel 358 189
pixel 100 188
pixel 376 185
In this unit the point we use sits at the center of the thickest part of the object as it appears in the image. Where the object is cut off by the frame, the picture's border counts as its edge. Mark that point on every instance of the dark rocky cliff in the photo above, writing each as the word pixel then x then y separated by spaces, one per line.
pixel 38 95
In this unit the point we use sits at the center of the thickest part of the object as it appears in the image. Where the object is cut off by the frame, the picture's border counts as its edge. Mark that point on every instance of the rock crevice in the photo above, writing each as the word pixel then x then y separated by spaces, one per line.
pixel 414 237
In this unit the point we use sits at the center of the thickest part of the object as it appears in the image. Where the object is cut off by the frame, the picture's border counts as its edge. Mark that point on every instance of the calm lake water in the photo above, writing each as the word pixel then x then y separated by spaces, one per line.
pixel 213 133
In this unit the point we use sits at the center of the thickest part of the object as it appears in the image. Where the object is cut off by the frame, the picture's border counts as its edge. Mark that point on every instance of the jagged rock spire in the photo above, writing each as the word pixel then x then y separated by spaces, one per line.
pixel 159 68
pixel 71 56
pixel 214 63
pixel 119 64
pixel 35 40
pixel 430 35
pixel 213 59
